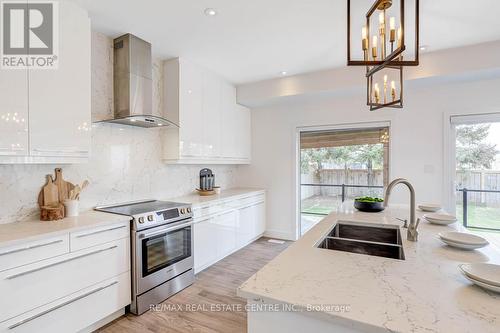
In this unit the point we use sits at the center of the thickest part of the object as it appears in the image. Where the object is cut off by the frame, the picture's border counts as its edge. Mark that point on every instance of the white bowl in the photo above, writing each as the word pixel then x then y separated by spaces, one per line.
pixel 430 207
pixel 461 246
pixel 442 219
pixel 463 238
pixel 485 273
pixel 482 284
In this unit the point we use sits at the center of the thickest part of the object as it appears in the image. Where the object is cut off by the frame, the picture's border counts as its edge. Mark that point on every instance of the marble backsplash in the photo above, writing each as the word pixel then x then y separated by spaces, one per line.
pixel 125 162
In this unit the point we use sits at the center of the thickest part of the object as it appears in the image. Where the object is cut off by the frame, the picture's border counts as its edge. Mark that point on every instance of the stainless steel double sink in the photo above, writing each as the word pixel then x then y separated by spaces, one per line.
pixel 379 240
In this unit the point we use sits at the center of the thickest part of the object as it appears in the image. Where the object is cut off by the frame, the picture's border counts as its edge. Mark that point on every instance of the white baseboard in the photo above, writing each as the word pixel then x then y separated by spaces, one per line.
pixel 95 326
pixel 279 234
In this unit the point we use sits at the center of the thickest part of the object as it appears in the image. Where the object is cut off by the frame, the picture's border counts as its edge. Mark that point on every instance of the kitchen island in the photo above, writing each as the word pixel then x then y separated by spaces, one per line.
pixel 319 290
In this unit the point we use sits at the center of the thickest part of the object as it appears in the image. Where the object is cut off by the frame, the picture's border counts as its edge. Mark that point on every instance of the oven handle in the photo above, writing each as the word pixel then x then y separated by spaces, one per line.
pixel 162 231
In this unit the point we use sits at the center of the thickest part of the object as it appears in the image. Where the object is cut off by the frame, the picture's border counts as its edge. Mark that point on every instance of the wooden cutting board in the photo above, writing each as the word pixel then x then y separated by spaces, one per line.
pixel 63 186
pixel 50 193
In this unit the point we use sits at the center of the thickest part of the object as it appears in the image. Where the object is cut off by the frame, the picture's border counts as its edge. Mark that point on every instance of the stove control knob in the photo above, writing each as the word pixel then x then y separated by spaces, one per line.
pixel 183 210
pixel 141 219
pixel 150 217
pixel 189 210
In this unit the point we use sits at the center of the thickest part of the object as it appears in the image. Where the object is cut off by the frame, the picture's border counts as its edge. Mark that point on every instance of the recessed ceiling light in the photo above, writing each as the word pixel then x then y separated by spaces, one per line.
pixel 210 11
pixel 424 47
pixel 283 73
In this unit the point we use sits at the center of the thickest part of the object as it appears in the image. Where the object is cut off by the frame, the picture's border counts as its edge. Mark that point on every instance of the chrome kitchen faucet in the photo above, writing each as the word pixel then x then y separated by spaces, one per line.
pixel 412 233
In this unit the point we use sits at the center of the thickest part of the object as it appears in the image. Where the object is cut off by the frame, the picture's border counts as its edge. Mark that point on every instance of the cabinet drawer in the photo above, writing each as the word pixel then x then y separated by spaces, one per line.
pixel 76 311
pixel 251 200
pixel 201 212
pixel 96 236
pixel 19 255
pixel 43 282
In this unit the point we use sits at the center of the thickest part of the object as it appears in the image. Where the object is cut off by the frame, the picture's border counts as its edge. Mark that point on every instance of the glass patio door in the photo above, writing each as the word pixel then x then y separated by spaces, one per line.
pixel 338 165
pixel 477 170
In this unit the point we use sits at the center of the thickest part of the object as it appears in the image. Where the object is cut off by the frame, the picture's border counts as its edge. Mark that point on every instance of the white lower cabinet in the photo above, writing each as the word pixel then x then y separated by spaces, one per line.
pixel 76 311
pixel 65 288
pixel 225 233
pixel 205 246
pixel 223 228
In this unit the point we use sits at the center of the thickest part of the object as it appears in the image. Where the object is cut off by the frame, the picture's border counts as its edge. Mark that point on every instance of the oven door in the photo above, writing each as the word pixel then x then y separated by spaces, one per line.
pixel 162 253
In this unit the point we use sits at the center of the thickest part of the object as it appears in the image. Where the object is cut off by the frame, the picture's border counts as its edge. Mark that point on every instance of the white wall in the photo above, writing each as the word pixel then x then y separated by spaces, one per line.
pixel 125 162
pixel 417 139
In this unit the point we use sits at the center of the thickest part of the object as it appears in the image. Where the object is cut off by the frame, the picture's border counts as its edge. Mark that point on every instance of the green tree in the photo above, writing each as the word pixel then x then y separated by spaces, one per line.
pixel 371 156
pixel 473 152
pixel 314 158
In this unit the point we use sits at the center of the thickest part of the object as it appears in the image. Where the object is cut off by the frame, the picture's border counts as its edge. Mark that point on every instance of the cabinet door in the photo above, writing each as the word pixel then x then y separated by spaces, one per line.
pixel 226 233
pixel 246 226
pixel 205 247
pixel 190 110
pixel 228 119
pixel 260 219
pixel 59 99
pixel 211 115
pixel 243 134
pixel 13 112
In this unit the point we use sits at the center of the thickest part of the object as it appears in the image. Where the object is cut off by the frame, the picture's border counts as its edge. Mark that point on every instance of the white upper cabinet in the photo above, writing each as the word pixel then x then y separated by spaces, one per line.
pixel 54 103
pixel 59 99
pixel 13 112
pixel 212 127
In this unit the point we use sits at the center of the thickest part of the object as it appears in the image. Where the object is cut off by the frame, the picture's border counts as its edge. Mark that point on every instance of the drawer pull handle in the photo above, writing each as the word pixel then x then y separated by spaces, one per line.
pixel 99 231
pixel 62 151
pixel 60 262
pixel 31 247
pixel 61 305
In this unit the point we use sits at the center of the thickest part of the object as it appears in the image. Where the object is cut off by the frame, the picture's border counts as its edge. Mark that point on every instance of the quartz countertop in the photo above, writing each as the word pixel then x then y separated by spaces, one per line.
pixel 233 193
pixel 31 230
pixel 424 293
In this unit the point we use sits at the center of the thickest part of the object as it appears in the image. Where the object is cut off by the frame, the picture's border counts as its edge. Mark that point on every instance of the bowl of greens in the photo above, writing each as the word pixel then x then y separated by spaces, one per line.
pixel 369 204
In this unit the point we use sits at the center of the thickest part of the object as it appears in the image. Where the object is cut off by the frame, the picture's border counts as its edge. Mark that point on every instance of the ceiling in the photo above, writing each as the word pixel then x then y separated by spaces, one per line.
pixel 254 40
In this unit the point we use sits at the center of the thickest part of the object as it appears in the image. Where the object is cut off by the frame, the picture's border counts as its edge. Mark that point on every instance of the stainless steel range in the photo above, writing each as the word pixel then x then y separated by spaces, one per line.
pixel 162 250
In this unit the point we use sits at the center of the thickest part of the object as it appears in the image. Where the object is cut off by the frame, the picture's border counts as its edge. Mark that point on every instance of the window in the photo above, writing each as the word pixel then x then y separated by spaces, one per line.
pixel 337 166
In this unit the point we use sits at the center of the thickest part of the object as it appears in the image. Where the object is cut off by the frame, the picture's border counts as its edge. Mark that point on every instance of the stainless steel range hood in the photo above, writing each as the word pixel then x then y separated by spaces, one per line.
pixel 133 83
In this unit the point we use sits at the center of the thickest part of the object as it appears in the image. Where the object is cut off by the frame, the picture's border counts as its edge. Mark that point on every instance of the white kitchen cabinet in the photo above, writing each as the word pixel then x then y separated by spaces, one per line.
pixel 205 246
pixel 76 312
pixel 59 99
pixel 213 128
pixel 246 226
pixel 45 114
pixel 46 281
pixel 224 227
pixel 13 112
pixel 260 218
pixel 211 117
pixel 53 280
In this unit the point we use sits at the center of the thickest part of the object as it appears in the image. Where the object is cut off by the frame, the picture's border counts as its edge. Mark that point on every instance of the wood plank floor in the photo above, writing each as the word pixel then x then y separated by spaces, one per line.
pixel 210 304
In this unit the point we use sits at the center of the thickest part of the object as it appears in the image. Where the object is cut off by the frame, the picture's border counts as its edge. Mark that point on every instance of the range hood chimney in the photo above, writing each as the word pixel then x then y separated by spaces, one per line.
pixel 133 84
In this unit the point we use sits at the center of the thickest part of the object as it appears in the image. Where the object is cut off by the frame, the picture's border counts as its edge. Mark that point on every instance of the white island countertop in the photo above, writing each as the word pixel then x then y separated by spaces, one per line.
pixel 423 293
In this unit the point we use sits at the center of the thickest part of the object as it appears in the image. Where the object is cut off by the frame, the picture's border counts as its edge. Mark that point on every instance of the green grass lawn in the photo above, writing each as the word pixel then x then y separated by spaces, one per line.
pixel 478 216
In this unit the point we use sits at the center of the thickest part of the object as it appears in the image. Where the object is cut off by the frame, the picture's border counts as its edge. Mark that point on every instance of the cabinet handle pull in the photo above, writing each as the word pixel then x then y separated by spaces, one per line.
pixel 61 305
pixel 60 151
pixel 99 231
pixel 31 247
pixel 59 263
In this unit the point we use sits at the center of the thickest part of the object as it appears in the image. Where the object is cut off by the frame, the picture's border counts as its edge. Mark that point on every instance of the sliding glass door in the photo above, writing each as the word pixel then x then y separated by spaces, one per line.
pixel 477 170
pixel 338 165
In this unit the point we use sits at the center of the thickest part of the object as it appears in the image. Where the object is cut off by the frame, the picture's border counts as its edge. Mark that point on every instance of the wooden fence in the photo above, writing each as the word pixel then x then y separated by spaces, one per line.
pixel 339 177
pixel 479 180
